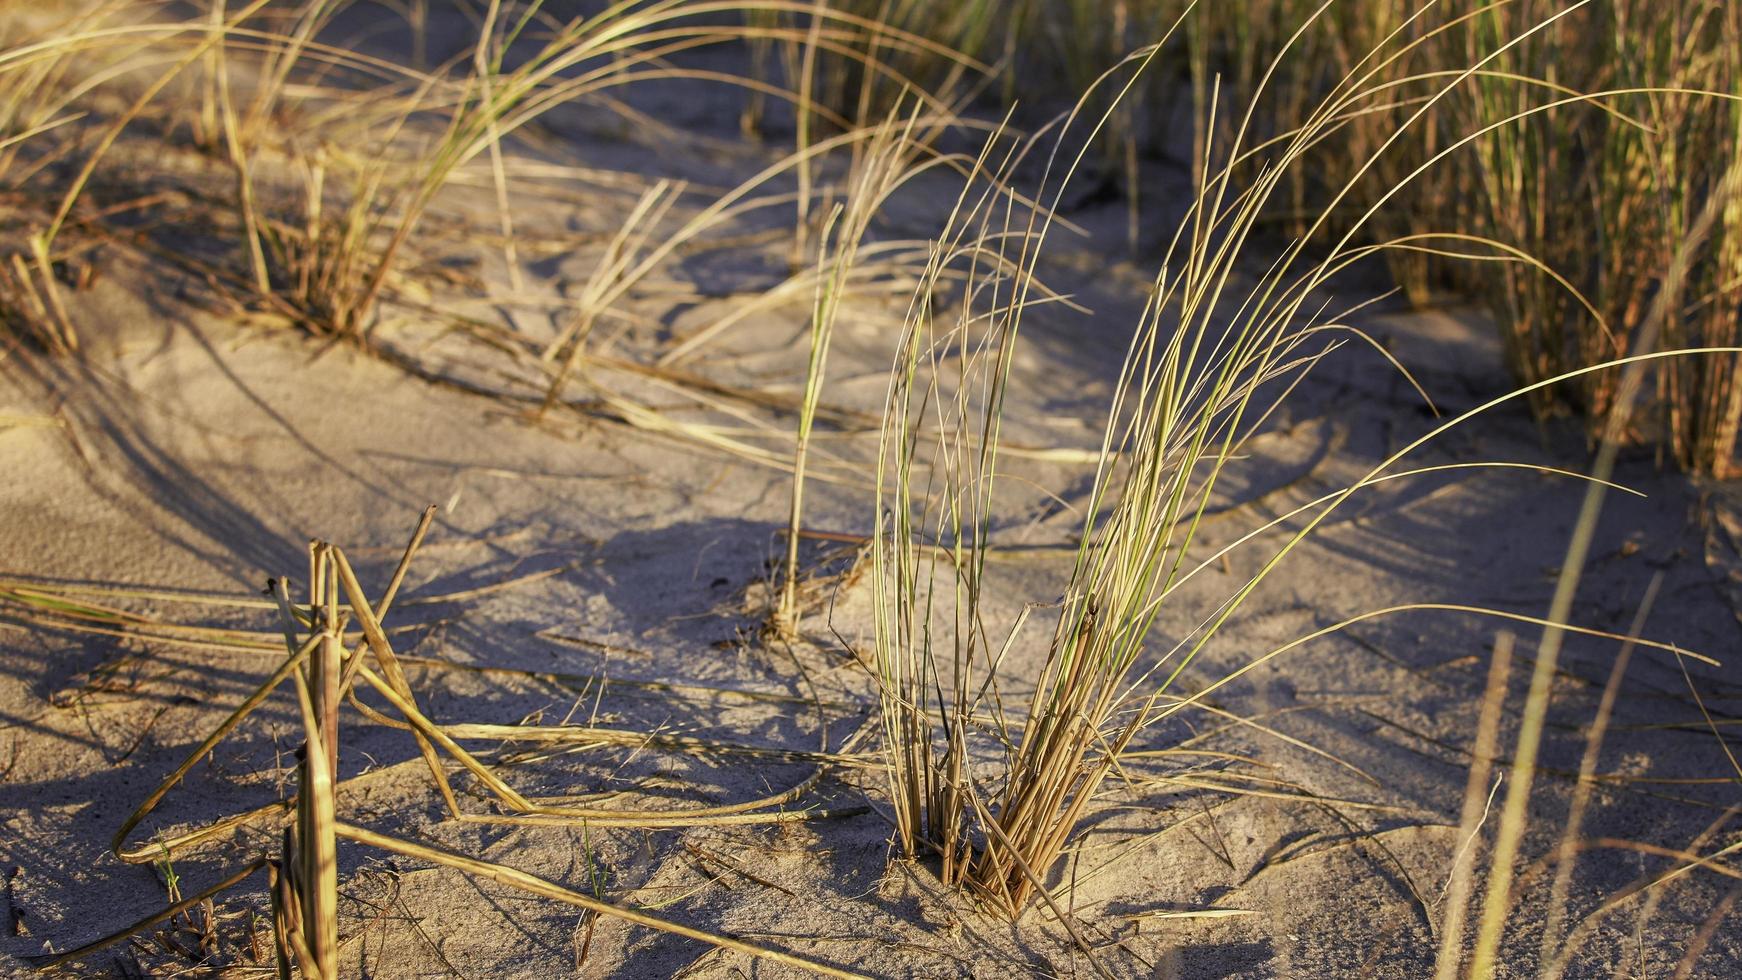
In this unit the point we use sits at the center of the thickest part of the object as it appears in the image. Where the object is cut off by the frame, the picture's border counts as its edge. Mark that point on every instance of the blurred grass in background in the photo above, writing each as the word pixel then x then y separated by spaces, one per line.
pixel 1625 116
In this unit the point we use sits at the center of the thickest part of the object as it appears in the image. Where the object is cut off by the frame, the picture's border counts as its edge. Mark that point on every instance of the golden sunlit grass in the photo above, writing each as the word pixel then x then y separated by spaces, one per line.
pixel 1641 118
pixel 1588 191
pixel 336 265
pixel 330 643
pixel 995 790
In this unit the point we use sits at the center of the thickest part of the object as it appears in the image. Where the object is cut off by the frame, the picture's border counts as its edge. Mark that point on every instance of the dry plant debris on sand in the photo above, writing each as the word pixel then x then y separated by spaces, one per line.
pixel 892 517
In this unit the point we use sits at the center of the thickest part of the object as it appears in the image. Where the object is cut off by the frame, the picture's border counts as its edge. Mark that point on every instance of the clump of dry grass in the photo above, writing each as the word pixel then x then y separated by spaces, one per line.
pixel 1208 364
pixel 1186 402
pixel 331 265
pixel 36 81
pixel 328 645
pixel 368 144
pixel 45 74
pixel 305 882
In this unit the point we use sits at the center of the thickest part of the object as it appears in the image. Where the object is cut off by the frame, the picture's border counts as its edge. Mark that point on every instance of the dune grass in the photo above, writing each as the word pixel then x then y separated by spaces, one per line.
pixel 1337 123
pixel 372 142
pixel 1209 363
pixel 1663 121
pixel 1601 191
pixel 45 75
pixel 1186 400
pixel 337 156
pixel 1607 198
pixel 323 646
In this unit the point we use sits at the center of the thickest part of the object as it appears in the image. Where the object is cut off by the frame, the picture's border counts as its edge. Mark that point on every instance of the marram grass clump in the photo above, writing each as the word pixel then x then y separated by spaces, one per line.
pixel 991 772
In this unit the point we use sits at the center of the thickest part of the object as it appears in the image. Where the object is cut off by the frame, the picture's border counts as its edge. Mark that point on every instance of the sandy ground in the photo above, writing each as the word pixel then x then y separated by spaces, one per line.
pixel 198 453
